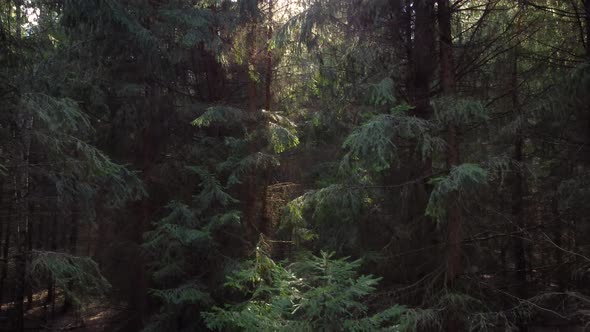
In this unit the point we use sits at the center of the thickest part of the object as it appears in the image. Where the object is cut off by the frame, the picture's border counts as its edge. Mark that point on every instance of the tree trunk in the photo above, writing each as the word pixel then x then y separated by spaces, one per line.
pixel 5 248
pixel 421 67
pixel 50 300
pixel 72 245
pixel 22 128
pixel 447 75
pixel 518 224
pixel 422 71
pixel 30 250
pixel 587 12
pixel 518 216
pixel 22 224
pixel 251 188
pixel 423 64
pixel 4 220
pixel 268 81
pixel 454 213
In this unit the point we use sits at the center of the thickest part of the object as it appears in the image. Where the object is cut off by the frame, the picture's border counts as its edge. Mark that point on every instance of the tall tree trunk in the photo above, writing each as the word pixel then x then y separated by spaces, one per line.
pixel 251 188
pixel 22 125
pixel 423 65
pixel 268 81
pixel 72 244
pixel 30 250
pixel 5 248
pixel 447 78
pixel 3 225
pixel 587 12
pixel 518 182
pixel 22 224
pixel 52 238
pixel 422 69
pixel 4 221
pixel 518 217
pixel 251 69
pixel 454 213
pixel 560 278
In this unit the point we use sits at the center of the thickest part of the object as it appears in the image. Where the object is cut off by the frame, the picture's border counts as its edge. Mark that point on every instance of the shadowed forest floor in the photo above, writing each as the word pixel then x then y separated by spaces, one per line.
pixel 96 316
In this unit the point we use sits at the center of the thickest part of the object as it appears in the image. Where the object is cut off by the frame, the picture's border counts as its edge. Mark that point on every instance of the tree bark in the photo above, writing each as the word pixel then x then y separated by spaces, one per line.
pixel 423 65
pixel 587 12
pixel 454 213
pixel 518 224
pixel 72 245
pixel 50 300
pixel 447 75
pixel 5 248
pixel 29 245
pixel 268 81
pixel 423 68
pixel 251 188
pixel 419 35
pixel 22 137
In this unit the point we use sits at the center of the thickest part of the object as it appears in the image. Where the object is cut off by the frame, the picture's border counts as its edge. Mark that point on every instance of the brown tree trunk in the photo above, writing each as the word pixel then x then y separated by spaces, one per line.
pixel 251 188
pixel 454 213
pixel 518 183
pixel 447 75
pixel 421 66
pixel 72 245
pixel 518 216
pixel 50 283
pixel 22 138
pixel 4 220
pixel 30 250
pixel 423 70
pixel 587 12
pixel 22 221
pixel 4 223
pixel 5 248
pixel 268 81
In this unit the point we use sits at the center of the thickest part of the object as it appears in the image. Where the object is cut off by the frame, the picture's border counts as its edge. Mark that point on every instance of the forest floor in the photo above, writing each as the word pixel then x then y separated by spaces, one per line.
pixel 97 316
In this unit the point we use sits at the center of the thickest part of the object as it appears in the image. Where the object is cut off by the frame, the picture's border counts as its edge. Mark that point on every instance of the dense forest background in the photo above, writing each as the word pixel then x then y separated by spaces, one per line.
pixel 295 165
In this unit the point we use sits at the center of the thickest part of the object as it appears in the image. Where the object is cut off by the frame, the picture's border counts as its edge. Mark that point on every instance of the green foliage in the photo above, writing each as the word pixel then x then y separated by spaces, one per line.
pixel 321 294
pixel 79 277
pixel 57 114
pixel 282 139
pixel 212 192
pixel 462 181
pixel 374 146
pixel 417 319
pixel 372 140
pixel 382 93
pixel 175 241
pixel 293 220
pixel 130 76
pixel 220 115
pixel 328 213
pixel 258 161
pixel 182 295
pixel 459 111
pixel 574 193
pixel 61 128
pixel 172 238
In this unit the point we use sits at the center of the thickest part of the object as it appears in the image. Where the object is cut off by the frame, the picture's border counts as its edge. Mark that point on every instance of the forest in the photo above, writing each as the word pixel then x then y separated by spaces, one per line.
pixel 295 165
